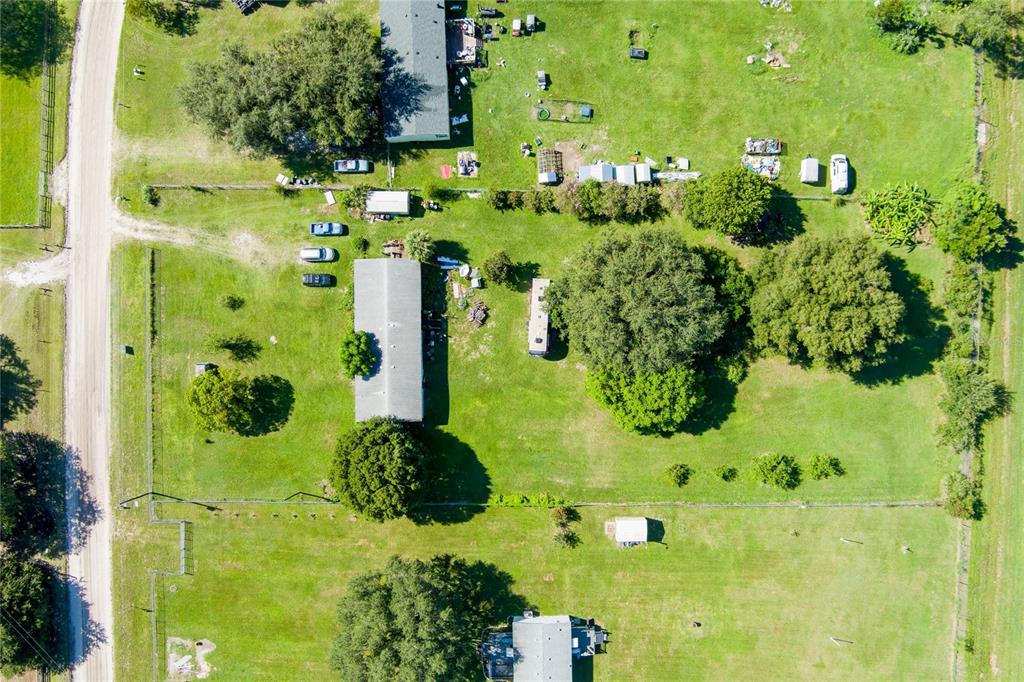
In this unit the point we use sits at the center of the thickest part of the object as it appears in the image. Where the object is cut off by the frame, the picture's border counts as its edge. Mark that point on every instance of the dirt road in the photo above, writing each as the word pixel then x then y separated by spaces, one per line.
pixel 90 216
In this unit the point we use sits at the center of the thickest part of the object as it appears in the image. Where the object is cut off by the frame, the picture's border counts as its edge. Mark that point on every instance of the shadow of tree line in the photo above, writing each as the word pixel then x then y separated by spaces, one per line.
pixel 46 508
pixel 31 32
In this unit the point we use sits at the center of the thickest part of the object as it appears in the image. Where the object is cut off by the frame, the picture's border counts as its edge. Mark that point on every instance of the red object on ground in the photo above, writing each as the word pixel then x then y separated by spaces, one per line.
pixel 446 171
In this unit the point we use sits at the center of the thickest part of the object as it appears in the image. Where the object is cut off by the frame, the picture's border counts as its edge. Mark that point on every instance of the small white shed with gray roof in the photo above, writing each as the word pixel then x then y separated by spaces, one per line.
pixel 388 305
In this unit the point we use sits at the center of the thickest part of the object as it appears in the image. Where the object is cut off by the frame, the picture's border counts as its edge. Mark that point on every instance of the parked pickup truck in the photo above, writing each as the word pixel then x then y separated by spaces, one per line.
pixel 318 279
pixel 327 229
pixel 352 166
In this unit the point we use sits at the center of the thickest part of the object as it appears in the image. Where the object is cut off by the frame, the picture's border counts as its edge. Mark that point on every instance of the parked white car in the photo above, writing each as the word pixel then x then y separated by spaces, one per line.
pixel 840 172
pixel 317 254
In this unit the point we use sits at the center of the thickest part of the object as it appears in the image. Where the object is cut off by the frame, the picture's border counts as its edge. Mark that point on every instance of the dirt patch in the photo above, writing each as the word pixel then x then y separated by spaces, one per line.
pixel 572 155
pixel 186 659
pixel 57 183
pixel 36 272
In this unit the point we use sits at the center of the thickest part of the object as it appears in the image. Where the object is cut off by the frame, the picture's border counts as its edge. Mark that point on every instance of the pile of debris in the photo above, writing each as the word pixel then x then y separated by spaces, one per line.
pixel 761 156
pixel 467 164
pixel 477 313
pixel 784 5
pixel 393 249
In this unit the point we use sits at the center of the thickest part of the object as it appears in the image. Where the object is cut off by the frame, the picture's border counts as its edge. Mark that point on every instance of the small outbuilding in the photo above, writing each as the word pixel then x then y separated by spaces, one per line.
pixel 643 173
pixel 630 531
pixel 809 171
pixel 549 178
pixel 387 202
pixel 600 171
pixel 625 174
pixel 202 368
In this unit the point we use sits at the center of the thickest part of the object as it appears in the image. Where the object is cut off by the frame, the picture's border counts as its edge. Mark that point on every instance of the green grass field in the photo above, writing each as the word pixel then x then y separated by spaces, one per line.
pixel 507 421
pixel 265 588
pixel 767 600
pixel 19 149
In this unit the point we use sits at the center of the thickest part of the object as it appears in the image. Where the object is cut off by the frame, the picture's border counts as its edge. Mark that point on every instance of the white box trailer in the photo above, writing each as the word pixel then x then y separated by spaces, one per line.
pixel 809 171
pixel 840 172
pixel 539 321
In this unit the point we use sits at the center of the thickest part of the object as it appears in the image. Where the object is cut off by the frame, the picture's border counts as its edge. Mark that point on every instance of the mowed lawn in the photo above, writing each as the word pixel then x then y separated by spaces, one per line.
pixel 897 117
pixel 19 149
pixel 769 588
pixel 501 421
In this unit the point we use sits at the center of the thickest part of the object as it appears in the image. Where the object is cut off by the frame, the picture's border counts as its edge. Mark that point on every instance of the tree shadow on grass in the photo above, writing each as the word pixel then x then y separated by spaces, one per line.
pixel 22 26
pixel 719 403
pixel 523 274
pixel 273 400
pixel 490 595
pixel 18 387
pixel 51 509
pixel 784 221
pixel 457 483
pixel 923 325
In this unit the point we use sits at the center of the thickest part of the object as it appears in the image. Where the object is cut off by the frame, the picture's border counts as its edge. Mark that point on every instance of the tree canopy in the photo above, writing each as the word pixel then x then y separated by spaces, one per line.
pixel 827 300
pixel 18 386
pixel 357 356
pixel 970 224
pixel 28 629
pixel 419 245
pixel 733 201
pixel 637 302
pixel 221 399
pixel 903 22
pixel 648 402
pixel 321 81
pixel 971 398
pixel 379 468
pixel 418 621
pixel 988 26
pixel 499 268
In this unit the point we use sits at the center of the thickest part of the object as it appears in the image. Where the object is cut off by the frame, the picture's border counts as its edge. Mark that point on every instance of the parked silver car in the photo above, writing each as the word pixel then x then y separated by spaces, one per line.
pixel 317 254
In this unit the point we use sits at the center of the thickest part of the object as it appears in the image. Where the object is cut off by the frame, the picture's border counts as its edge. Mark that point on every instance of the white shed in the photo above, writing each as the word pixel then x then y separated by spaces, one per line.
pixel 381 201
pixel 631 530
pixel 549 178
pixel 643 173
pixel 625 174
pixel 809 170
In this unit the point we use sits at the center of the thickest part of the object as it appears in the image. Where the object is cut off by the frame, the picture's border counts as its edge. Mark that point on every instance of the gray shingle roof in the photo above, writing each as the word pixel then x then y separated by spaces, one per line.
pixel 388 305
pixel 415 88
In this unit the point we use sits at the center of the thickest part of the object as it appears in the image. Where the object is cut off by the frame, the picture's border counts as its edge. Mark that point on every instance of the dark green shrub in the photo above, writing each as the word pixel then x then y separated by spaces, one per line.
pixel 961 497
pixel 776 471
pixel 823 466
pixel 678 474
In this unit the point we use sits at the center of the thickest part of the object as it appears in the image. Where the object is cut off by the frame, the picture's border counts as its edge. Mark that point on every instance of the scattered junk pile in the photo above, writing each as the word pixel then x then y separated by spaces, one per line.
pixel 761 156
pixel 773 59
pixel 464 280
pixel 393 249
pixel 784 5
pixel 467 164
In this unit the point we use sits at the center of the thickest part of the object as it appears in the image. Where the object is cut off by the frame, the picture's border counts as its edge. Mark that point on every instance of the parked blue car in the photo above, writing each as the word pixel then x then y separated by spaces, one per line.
pixel 327 229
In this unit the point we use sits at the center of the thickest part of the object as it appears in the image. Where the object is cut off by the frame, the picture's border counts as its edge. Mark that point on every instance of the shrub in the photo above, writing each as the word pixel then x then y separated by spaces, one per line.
pixel 498 268
pixel 898 212
pixel 673 198
pixel 436 192
pixel 151 195
pixel 356 197
pixel 961 497
pixel 357 357
pixel 903 23
pixel 379 469
pixel 775 470
pixel 564 515
pixel 823 466
pixel 526 500
pixel 647 402
pixel 566 537
pixel 732 202
pixel 726 473
pixel 505 200
pixel 970 223
pixel 360 244
pixel 221 400
pixel 419 246
pixel 232 302
pixel 540 201
pixel 678 474
pixel 971 399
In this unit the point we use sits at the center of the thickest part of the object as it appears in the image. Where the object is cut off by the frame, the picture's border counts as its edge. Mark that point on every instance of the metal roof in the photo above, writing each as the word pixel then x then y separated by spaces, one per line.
pixel 414 92
pixel 631 529
pixel 387 201
pixel 543 646
pixel 538 327
pixel 388 305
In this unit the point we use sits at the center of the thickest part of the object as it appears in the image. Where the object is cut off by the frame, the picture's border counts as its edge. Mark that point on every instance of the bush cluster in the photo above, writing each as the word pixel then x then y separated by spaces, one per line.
pixel 971 398
pixel 775 470
pixel 564 516
pixel 961 497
